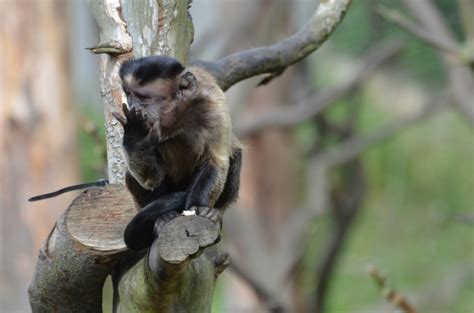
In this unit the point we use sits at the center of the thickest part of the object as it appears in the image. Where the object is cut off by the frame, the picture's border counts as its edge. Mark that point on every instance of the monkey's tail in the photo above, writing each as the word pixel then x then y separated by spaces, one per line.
pixel 99 183
pixel 139 234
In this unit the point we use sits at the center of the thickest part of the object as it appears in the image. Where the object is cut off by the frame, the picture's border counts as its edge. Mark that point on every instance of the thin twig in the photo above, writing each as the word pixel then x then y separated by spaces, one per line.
pixel 418 30
pixel 394 297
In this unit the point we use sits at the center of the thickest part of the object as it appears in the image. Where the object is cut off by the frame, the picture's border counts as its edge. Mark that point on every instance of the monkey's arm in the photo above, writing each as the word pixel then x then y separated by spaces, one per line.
pixel 232 183
pixel 214 188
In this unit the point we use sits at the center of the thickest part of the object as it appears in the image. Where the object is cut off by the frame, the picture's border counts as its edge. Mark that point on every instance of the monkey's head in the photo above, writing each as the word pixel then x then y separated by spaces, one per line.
pixel 162 88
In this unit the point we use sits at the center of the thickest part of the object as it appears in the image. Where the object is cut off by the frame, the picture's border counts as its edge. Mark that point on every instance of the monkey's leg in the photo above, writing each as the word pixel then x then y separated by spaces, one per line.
pixel 139 232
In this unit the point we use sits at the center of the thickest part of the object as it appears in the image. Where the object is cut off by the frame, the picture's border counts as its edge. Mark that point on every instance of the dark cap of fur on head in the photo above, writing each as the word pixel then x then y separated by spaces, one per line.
pixel 148 69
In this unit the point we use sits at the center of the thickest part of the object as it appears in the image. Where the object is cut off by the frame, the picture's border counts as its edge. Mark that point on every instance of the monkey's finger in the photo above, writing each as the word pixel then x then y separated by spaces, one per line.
pixel 201 210
pixel 210 214
pixel 133 114
pixel 119 118
pixel 214 215
pixel 125 110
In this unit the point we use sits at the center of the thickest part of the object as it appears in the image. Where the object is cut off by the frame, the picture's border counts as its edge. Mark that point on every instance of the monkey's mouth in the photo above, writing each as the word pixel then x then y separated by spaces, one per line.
pixel 149 184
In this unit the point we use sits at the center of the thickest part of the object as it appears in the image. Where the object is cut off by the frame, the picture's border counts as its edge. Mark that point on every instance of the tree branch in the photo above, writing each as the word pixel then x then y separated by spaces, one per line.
pixel 276 58
pixel 291 116
pixel 418 30
pixel 353 147
pixel 179 272
pixel 347 197
pixel 460 76
pixel 392 296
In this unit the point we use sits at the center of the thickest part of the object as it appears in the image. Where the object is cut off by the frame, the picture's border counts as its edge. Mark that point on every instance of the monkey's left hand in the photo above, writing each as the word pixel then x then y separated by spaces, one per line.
pixel 137 128
pixel 140 140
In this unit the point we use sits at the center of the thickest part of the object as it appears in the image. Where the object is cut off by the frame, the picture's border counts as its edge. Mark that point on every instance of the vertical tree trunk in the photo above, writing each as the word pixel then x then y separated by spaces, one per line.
pixel 142 28
pixel 37 133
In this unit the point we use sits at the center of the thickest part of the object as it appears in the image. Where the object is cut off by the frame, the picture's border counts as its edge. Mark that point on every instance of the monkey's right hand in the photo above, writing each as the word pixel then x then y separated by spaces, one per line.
pixel 137 128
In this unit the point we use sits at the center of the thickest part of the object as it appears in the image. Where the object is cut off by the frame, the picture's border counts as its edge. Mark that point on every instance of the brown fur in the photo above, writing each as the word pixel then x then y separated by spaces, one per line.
pixel 193 129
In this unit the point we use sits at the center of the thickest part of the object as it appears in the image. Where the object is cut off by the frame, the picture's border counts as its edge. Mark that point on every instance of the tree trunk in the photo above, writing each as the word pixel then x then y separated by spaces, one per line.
pixel 37 133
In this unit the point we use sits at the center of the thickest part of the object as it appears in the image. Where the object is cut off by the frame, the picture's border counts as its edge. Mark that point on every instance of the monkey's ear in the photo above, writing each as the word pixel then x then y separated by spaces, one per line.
pixel 188 83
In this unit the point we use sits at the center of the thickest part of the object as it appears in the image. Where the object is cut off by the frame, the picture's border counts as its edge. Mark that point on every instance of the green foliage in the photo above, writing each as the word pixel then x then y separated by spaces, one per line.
pixel 419 183
pixel 92 150
pixel 363 27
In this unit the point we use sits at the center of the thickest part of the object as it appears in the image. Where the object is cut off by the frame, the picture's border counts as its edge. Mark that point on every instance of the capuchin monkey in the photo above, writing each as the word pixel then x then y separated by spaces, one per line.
pixel 180 150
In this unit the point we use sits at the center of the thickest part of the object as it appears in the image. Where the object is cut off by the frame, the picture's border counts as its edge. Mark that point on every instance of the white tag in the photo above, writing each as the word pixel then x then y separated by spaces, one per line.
pixel 189 213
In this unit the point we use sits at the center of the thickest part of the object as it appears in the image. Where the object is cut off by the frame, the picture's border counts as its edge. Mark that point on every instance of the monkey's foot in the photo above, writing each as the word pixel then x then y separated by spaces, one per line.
pixel 210 213
pixel 162 221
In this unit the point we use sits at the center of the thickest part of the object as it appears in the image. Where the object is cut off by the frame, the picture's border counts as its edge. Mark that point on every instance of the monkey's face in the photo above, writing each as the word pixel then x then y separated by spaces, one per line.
pixel 147 98
pixel 163 101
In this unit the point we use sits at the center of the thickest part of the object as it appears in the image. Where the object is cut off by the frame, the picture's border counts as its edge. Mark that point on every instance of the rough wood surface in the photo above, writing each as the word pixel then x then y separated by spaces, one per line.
pixel 71 268
pixel 185 237
pixel 98 217
pixel 178 274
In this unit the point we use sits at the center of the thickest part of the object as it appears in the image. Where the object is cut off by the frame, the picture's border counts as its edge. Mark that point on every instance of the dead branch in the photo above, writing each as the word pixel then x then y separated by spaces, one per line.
pixel 292 116
pixel 276 58
pixel 394 297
